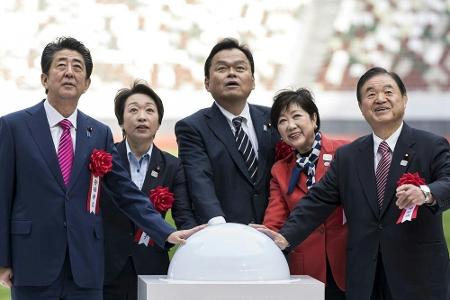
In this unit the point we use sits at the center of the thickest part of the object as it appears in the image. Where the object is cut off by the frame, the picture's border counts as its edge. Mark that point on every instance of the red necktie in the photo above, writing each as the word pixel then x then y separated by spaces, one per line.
pixel 382 171
pixel 65 150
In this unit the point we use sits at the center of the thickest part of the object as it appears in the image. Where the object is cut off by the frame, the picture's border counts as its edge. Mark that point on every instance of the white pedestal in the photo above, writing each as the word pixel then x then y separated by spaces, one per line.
pixel 158 287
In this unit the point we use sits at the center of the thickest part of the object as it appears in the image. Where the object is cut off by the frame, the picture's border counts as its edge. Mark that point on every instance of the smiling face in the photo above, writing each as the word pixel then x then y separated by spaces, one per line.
pixel 382 104
pixel 140 119
pixel 66 79
pixel 230 77
pixel 296 127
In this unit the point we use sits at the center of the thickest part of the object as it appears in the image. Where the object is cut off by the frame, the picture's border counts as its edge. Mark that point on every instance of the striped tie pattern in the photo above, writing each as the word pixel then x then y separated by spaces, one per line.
pixel 245 148
pixel 65 150
pixel 382 171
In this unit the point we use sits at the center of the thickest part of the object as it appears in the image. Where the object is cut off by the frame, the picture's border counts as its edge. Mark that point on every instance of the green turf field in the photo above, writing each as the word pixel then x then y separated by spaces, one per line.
pixel 4 293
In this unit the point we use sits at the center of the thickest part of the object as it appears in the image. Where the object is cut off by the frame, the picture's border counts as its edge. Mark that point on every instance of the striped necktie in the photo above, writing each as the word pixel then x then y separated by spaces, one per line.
pixel 382 171
pixel 245 148
pixel 65 150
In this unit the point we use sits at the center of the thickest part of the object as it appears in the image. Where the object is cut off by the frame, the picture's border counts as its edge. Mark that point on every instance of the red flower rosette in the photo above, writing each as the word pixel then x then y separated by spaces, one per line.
pixel 282 150
pixel 101 163
pixel 162 199
pixel 410 178
pixel 409 213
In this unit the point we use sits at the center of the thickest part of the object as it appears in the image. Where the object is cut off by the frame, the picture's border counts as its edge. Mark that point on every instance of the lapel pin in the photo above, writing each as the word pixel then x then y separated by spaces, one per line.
pixel 154 173
pixel 89 131
pixel 404 161
pixel 265 127
pixel 327 159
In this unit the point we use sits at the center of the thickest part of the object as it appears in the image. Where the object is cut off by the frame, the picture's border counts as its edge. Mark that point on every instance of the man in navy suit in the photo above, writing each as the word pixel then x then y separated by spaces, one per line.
pixel 388 257
pixel 128 250
pixel 224 184
pixel 51 238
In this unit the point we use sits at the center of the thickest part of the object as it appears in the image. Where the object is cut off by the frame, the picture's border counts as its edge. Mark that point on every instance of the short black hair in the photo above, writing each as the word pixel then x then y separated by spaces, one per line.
pixel 139 87
pixel 374 72
pixel 225 44
pixel 62 43
pixel 302 97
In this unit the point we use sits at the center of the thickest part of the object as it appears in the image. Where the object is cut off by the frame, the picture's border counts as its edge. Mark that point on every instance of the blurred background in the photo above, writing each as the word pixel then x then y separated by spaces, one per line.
pixel 323 45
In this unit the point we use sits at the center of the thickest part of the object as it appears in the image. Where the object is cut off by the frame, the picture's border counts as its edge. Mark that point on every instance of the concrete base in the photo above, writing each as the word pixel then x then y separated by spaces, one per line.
pixel 158 287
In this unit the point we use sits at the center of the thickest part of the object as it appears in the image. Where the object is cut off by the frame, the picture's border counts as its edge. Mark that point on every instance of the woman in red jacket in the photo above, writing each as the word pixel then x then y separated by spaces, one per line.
pixel 322 254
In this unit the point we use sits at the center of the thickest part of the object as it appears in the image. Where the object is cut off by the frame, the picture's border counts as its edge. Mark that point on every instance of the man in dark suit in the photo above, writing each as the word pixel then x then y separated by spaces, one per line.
pixel 50 228
pixel 227 150
pixel 128 250
pixel 388 257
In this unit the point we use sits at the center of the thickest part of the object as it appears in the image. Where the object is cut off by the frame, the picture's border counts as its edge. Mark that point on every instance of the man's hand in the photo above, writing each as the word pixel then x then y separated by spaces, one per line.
pixel 179 237
pixel 408 194
pixel 279 240
pixel 5 277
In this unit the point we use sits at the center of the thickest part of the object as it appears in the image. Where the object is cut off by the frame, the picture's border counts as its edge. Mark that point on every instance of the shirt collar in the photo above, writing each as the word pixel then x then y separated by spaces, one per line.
pixel 129 152
pixel 391 141
pixel 245 113
pixel 54 117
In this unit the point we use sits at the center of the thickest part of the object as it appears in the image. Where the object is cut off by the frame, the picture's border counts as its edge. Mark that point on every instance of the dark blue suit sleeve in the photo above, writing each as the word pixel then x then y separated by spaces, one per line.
pixel 132 202
pixel 313 209
pixel 7 182
pixel 198 171
pixel 182 207
pixel 440 174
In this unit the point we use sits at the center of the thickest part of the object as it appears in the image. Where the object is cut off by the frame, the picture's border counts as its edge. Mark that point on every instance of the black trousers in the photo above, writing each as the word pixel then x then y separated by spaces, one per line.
pixel 63 288
pixel 381 290
pixel 332 291
pixel 124 287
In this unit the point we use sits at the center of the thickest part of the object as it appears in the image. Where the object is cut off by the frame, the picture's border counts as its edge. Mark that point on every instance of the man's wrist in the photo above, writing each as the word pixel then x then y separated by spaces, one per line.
pixel 428 200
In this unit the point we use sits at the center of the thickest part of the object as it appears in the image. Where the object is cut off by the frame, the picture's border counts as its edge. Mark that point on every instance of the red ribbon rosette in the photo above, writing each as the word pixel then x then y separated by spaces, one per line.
pixel 409 213
pixel 410 178
pixel 162 199
pixel 282 150
pixel 100 164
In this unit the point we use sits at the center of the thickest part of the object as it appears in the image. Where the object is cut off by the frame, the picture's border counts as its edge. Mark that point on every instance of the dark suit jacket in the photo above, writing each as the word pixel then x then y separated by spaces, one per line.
pixel 415 256
pixel 41 219
pixel 217 176
pixel 328 240
pixel 119 230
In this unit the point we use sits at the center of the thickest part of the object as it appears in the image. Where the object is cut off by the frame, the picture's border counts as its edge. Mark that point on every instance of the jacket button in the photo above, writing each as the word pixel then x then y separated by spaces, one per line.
pixel 321 230
pixel 380 226
pixel 130 234
pixel 65 224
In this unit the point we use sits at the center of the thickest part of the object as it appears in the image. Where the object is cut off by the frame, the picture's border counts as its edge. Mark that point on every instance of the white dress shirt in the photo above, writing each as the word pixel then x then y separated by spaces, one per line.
pixel 54 117
pixel 391 141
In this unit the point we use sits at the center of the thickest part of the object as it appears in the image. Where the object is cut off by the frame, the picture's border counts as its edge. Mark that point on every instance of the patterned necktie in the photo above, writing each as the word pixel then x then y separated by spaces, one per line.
pixel 245 148
pixel 382 171
pixel 307 164
pixel 65 150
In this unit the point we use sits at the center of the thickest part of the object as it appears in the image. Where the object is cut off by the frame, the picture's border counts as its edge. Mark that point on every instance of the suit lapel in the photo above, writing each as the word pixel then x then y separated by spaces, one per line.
pixel 261 129
pixel 366 172
pixel 403 150
pixel 155 167
pixel 40 131
pixel 83 145
pixel 219 125
pixel 122 150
